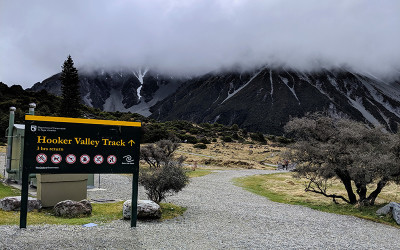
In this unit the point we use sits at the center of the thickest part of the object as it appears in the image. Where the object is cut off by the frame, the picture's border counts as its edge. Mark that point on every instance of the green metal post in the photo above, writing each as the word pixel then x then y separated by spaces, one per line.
pixel 24 199
pixel 31 111
pixel 10 139
pixel 90 181
pixel 32 107
pixel 135 181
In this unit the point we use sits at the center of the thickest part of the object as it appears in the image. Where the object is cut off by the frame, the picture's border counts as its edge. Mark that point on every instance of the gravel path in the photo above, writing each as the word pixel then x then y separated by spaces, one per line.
pixel 219 215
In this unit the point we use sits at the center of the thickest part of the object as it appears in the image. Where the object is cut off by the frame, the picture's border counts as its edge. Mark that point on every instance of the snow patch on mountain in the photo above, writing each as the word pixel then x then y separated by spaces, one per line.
pixel 286 81
pixel 87 101
pixel 114 101
pixel 139 75
pixel 242 87
pixel 272 87
pixel 377 92
pixel 357 104
pixel 318 85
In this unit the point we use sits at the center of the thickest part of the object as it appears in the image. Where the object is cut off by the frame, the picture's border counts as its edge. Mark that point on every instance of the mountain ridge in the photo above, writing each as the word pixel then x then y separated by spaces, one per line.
pixel 258 100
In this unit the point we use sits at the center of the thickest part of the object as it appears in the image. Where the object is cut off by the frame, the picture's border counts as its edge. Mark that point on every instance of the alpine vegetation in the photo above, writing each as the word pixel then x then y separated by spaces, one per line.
pixel 335 148
pixel 165 174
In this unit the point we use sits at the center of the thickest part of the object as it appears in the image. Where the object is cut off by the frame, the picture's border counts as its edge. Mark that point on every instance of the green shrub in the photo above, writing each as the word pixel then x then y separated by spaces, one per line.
pixel 165 174
pixel 257 137
pixel 159 182
pixel 206 125
pixel 205 140
pixel 188 138
pixel 235 127
pixel 235 136
pixel 200 145
pixel 283 140
pixel 227 139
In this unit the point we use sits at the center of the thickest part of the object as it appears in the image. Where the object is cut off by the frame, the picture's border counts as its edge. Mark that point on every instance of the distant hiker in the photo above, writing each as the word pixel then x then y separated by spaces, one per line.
pixel 285 164
pixel 194 166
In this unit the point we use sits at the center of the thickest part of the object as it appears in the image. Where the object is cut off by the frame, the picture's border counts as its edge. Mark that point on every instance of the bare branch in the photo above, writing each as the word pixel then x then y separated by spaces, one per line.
pixel 320 188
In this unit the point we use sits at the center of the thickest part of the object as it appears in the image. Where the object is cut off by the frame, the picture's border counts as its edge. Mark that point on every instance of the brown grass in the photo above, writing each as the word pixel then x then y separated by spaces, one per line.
pixel 231 155
pixel 285 184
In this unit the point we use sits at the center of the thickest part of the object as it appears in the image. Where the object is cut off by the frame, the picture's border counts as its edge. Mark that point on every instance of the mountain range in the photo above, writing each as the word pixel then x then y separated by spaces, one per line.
pixel 259 100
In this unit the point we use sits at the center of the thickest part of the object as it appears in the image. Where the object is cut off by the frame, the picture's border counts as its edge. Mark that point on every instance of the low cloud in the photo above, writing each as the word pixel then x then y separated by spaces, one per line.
pixel 196 36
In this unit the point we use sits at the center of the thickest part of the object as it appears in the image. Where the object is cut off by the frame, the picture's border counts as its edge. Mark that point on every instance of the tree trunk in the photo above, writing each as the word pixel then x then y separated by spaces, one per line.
pixel 372 197
pixel 345 178
pixel 361 191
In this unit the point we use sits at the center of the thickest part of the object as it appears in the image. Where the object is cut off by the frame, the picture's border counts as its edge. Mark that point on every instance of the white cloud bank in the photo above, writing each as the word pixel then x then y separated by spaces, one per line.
pixel 196 36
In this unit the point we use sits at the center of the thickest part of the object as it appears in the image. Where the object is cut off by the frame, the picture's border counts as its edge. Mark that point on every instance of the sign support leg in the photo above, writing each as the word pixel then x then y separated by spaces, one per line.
pixel 24 199
pixel 135 181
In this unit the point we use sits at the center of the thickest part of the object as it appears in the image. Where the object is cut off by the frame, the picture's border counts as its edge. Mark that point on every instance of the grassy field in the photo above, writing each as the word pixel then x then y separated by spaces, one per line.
pixel 101 213
pixel 286 189
pixel 231 155
pixel 198 173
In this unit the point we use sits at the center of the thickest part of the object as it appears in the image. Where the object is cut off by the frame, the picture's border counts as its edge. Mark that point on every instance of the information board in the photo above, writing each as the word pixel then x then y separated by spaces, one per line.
pixel 63 145
pixel 69 145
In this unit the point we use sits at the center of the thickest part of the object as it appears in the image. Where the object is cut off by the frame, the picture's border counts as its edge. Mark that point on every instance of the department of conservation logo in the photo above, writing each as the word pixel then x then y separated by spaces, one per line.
pixel 33 128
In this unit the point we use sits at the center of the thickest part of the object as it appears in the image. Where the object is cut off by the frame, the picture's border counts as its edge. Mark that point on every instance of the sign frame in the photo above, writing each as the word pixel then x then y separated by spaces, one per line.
pixel 46 136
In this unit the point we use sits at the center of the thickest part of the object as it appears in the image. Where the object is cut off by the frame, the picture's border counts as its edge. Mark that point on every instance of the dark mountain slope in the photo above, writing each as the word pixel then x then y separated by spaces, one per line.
pixel 265 100
pixel 133 91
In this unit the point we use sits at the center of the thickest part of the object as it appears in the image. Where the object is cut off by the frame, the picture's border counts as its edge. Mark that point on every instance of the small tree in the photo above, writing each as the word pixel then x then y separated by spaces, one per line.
pixel 328 148
pixel 71 98
pixel 165 174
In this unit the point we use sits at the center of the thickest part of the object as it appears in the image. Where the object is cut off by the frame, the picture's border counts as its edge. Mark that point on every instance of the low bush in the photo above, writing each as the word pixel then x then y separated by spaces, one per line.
pixel 165 174
pixel 205 140
pixel 227 139
pixel 200 145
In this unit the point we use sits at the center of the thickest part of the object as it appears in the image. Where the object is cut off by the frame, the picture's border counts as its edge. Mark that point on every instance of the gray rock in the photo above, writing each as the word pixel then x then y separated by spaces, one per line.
pixel 396 212
pixel 146 209
pixel 393 208
pixel 384 210
pixel 14 203
pixel 387 208
pixel 72 209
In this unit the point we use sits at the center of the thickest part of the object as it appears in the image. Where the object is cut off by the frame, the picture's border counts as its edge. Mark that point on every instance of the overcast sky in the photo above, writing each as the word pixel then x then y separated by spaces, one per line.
pixel 196 36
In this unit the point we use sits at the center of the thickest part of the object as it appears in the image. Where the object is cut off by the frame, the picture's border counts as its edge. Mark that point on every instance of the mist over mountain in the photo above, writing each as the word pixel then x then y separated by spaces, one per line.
pixel 194 37
pixel 262 99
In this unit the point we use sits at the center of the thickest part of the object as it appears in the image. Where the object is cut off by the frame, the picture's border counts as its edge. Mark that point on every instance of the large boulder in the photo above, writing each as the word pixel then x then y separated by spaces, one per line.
pixel 73 209
pixel 14 203
pixel 146 209
pixel 393 208
pixel 396 213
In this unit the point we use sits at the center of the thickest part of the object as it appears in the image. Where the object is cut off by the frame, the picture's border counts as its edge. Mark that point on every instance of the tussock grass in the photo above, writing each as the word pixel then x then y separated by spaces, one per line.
pixel 231 155
pixel 284 188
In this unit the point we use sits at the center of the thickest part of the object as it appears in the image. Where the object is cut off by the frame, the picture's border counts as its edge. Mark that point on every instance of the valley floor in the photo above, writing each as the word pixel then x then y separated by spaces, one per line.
pixel 219 215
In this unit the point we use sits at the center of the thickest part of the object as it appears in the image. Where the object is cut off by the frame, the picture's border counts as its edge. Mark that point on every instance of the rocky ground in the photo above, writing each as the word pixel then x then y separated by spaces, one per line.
pixel 219 215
